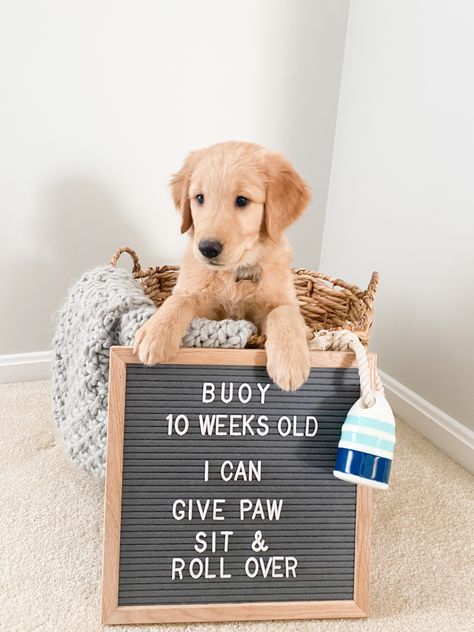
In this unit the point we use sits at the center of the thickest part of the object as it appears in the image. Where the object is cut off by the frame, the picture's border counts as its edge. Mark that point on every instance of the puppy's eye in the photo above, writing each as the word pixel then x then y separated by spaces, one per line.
pixel 241 201
pixel 200 199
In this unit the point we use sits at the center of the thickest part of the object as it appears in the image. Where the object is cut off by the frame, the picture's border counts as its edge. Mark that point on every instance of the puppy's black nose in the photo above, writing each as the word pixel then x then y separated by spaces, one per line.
pixel 210 248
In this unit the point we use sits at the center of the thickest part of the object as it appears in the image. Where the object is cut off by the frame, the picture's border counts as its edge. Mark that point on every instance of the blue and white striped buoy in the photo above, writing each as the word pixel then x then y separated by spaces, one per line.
pixel 365 449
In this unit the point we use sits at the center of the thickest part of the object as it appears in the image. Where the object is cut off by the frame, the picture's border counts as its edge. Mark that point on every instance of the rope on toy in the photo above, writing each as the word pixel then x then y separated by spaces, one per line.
pixel 343 340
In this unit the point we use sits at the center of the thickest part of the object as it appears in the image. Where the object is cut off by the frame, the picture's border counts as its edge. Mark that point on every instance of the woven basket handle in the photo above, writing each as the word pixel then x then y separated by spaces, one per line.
pixel 136 263
pixel 371 291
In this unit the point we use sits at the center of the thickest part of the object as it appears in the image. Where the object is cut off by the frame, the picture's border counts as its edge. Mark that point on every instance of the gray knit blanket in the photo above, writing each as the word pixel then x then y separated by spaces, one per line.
pixel 105 308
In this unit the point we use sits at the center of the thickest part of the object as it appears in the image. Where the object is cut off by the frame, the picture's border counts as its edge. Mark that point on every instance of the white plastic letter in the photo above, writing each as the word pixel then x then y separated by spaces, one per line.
pixel 178 514
pixel 208 392
pixel 245 398
pixel 177 568
pixel 201 545
pixel 263 390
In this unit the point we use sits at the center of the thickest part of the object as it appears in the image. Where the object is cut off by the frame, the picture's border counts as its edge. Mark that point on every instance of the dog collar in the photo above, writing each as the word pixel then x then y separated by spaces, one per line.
pixel 248 273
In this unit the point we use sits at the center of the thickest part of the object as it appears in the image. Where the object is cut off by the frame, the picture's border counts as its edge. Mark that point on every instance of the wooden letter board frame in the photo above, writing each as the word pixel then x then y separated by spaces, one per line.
pixel 112 613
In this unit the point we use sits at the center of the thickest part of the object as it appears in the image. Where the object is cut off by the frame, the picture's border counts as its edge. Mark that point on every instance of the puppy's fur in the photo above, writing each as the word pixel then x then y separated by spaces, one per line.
pixel 254 249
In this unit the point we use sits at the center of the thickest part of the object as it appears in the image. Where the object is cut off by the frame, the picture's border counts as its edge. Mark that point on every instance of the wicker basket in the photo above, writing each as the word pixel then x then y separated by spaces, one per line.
pixel 325 303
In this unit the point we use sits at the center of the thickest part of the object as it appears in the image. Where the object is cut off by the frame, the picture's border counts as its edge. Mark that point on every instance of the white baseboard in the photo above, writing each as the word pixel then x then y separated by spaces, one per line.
pixel 25 367
pixel 445 432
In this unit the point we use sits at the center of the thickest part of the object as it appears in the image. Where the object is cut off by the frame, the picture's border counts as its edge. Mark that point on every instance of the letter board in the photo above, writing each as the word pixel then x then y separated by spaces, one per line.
pixel 220 498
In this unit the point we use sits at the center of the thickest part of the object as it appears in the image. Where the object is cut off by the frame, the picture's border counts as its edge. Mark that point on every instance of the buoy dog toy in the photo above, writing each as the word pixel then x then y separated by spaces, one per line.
pixel 365 450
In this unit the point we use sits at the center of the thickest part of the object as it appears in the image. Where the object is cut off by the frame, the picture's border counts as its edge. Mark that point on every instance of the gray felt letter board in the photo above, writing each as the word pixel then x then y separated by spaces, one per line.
pixel 221 501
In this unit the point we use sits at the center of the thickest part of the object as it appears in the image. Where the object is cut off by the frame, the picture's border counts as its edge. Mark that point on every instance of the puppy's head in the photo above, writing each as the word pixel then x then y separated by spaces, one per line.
pixel 234 195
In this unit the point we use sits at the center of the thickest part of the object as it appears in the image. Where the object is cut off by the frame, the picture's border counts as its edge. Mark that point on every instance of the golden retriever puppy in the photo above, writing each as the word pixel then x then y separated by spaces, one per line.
pixel 235 201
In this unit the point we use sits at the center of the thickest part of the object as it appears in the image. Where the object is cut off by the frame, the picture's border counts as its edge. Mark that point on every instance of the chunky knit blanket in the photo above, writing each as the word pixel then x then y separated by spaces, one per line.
pixel 105 308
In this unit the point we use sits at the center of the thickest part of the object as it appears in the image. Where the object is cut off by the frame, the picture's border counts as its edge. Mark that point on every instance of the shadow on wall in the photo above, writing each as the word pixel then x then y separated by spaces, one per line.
pixel 311 81
pixel 79 226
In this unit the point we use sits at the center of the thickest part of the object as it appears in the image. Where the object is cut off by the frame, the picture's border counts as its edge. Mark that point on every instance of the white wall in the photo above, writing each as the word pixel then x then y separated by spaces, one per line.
pixel 401 193
pixel 101 100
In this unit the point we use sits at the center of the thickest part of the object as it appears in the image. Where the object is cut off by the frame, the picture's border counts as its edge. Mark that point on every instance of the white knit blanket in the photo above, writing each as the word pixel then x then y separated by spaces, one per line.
pixel 105 308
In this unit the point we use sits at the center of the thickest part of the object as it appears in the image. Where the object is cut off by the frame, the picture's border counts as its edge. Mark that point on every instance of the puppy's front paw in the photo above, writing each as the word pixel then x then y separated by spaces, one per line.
pixel 156 342
pixel 289 364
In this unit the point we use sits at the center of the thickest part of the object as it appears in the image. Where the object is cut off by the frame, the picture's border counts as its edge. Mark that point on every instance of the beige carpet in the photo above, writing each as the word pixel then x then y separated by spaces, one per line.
pixel 51 529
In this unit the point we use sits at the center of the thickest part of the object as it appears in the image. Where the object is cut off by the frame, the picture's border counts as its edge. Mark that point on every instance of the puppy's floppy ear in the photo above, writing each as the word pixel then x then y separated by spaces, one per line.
pixel 287 195
pixel 180 190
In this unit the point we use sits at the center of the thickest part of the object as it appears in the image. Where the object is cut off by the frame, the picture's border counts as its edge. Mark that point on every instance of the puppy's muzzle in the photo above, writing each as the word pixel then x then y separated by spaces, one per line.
pixel 210 248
